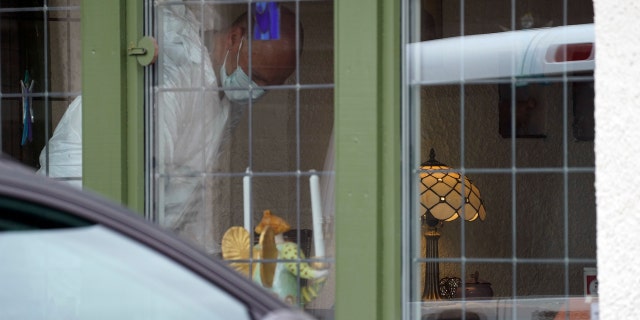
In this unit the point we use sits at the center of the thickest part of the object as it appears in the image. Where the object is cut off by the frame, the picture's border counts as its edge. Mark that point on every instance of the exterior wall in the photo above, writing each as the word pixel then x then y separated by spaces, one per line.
pixel 617 149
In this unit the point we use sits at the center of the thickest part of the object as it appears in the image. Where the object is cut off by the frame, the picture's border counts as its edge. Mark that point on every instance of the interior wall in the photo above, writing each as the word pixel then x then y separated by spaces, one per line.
pixel 489 16
pixel 65 56
pixel 22 56
pixel 539 198
pixel 46 45
pixel 536 198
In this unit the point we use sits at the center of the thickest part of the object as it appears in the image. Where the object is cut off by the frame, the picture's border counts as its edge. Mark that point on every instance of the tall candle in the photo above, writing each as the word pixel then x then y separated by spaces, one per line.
pixel 316 214
pixel 246 183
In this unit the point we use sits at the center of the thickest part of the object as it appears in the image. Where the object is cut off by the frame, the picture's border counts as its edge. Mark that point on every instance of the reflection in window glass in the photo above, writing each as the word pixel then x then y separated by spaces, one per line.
pixel 93 273
pixel 40 53
pixel 242 129
pixel 504 94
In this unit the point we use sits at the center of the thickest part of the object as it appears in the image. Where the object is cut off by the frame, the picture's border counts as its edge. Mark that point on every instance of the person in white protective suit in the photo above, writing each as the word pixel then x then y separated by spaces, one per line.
pixel 192 118
pixel 65 147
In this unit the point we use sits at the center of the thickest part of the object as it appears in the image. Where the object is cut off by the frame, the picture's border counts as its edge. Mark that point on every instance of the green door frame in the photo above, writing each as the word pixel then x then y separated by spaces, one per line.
pixel 367 122
pixel 368 159
pixel 112 98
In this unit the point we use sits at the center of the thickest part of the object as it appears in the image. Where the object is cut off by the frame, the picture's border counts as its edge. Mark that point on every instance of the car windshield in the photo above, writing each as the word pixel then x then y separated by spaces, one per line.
pixel 91 272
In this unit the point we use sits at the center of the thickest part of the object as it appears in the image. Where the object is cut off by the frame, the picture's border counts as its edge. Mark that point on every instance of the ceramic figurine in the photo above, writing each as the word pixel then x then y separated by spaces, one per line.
pixel 281 277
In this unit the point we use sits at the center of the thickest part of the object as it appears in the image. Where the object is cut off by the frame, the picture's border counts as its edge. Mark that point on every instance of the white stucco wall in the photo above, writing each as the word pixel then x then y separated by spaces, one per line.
pixel 617 150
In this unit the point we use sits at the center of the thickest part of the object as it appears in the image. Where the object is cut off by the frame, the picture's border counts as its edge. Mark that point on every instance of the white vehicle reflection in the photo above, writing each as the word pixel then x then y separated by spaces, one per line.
pixel 503 55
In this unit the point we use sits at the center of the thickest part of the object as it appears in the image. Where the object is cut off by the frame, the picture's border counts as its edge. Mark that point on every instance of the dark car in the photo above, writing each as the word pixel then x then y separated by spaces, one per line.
pixel 69 254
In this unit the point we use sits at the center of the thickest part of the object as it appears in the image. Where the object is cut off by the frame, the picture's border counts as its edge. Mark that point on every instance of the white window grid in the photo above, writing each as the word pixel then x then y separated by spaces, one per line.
pixel 57 83
pixel 298 172
pixel 567 165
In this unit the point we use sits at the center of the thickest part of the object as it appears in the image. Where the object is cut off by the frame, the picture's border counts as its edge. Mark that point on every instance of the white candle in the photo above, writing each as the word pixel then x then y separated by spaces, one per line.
pixel 246 183
pixel 316 213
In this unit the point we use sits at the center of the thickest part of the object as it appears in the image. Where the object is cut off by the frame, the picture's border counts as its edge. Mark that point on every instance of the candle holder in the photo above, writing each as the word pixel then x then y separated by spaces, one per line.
pixel 316 214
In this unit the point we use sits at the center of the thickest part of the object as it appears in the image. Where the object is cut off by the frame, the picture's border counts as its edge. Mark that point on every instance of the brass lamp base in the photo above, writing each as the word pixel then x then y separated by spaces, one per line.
pixel 432 269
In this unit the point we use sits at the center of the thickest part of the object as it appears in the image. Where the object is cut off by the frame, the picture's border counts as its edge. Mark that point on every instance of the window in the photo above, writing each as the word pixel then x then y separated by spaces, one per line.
pixel 238 138
pixel 502 92
pixel 40 55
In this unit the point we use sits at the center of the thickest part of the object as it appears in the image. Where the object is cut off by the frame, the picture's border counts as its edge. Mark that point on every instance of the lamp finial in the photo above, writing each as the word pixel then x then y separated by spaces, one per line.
pixel 432 160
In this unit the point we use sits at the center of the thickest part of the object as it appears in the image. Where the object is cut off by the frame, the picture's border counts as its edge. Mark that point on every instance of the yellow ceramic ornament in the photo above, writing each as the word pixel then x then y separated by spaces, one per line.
pixel 282 277
pixel 269 252
pixel 236 245
pixel 276 223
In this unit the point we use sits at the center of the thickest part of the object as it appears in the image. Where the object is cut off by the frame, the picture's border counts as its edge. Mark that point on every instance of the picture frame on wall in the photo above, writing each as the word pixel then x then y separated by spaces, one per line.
pixel 590 282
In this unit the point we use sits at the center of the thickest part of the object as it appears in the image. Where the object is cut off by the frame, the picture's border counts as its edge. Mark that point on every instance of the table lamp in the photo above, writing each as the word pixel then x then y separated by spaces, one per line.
pixel 444 196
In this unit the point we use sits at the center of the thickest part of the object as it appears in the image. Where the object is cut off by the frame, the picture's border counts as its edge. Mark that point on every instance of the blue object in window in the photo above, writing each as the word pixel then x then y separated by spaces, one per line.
pixel 267 21
pixel 27 109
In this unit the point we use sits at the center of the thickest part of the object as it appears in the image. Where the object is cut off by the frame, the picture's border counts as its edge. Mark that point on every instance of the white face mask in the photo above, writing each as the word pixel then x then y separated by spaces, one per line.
pixel 239 80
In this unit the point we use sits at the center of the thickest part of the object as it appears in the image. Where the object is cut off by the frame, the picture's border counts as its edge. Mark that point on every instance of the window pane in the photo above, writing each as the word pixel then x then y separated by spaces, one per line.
pixel 242 124
pixel 504 94
pixel 40 53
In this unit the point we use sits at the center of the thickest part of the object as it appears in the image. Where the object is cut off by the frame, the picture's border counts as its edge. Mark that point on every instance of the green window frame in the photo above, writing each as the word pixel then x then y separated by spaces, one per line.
pixel 367 122
pixel 112 89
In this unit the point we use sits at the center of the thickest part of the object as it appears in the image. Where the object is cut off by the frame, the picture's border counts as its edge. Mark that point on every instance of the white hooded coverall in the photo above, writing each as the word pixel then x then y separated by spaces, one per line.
pixel 190 127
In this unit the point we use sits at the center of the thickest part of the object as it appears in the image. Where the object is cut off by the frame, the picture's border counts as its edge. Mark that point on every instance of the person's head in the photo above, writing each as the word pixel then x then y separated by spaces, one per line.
pixel 272 61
